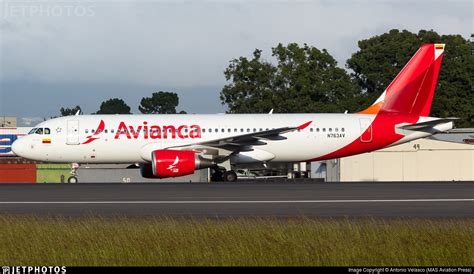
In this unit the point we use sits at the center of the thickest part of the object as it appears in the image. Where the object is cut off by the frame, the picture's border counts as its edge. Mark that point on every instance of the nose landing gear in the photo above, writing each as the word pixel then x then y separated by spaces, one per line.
pixel 73 178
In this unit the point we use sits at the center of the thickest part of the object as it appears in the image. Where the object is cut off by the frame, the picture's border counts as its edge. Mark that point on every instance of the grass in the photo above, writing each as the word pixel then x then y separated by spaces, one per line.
pixel 234 242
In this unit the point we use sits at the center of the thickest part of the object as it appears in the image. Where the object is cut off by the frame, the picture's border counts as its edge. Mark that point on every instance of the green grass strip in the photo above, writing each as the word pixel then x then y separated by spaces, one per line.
pixel 96 241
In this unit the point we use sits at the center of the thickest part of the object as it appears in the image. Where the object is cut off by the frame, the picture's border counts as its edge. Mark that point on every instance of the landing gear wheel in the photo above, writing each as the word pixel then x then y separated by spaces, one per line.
pixel 72 180
pixel 216 175
pixel 229 176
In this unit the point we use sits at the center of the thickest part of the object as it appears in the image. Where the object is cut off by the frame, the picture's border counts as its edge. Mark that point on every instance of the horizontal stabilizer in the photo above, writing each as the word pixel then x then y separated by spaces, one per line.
pixel 428 124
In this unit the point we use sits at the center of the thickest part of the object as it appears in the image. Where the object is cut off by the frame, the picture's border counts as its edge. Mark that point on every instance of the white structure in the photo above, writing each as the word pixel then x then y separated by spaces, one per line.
pixel 419 160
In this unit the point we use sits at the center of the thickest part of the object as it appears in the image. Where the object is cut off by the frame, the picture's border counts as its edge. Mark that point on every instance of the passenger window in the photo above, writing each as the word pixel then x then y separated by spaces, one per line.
pixel 210 130
pixel 317 129
pixel 235 130
pixel 229 130
pixel 222 130
pixel 217 130
pixel 311 129
pixel 241 130
pixel 203 130
pixel 336 129
pixel 87 131
pixel 248 129
pixel 92 131
pixel 324 129
pixel 113 130
pixel 342 129
pixel 330 129
pixel 254 130
pixel 106 131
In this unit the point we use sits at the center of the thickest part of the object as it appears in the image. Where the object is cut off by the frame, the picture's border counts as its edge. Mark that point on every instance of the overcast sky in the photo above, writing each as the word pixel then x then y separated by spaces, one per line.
pixel 63 53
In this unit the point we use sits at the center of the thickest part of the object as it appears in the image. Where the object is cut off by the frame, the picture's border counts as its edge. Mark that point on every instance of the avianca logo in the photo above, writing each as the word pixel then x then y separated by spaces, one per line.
pixel 94 137
pixel 172 167
pixel 146 131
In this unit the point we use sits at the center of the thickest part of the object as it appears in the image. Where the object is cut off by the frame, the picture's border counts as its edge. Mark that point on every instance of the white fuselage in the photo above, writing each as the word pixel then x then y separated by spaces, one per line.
pixel 70 137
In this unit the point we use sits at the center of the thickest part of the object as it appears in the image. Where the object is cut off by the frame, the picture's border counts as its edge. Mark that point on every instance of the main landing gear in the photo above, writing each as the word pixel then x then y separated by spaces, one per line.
pixel 219 174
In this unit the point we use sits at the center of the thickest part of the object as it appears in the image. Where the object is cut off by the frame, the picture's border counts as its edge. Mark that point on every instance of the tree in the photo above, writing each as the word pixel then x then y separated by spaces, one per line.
pixel 114 106
pixel 380 58
pixel 305 79
pixel 69 111
pixel 160 102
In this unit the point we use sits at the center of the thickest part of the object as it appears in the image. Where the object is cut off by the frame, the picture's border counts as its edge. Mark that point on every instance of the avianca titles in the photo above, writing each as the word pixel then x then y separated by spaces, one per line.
pixel 176 145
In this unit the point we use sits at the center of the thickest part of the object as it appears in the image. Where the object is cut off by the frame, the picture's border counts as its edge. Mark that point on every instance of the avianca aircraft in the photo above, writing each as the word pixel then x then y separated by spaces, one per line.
pixel 176 145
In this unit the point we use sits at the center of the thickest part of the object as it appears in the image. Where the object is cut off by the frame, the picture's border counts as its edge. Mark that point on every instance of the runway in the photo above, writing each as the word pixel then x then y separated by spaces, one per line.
pixel 255 199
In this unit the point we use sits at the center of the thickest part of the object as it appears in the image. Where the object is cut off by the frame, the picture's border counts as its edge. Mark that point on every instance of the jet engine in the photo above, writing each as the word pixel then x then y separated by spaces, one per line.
pixel 173 163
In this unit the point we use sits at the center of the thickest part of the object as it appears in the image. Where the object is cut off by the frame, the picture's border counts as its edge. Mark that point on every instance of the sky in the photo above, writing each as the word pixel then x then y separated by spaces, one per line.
pixel 62 53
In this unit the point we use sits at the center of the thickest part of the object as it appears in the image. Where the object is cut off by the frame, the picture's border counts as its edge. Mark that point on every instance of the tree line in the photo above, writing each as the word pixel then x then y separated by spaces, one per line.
pixel 306 79
pixel 161 102
pixel 303 78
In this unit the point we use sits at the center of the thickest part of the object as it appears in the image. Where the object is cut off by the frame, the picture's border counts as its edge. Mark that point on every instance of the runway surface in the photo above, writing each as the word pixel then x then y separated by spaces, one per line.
pixel 257 199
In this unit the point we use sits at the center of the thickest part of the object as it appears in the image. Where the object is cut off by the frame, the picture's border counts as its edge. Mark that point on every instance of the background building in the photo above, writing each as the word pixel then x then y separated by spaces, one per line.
pixel 7 121
pixel 420 160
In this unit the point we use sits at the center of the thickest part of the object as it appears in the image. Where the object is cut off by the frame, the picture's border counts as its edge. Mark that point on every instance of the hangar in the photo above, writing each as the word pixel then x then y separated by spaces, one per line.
pixel 446 157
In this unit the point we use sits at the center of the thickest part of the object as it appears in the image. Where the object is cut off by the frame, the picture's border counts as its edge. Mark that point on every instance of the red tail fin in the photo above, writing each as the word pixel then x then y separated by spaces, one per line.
pixel 411 92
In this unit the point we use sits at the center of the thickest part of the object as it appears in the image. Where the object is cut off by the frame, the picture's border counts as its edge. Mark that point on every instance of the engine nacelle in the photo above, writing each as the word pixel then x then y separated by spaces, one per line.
pixel 173 163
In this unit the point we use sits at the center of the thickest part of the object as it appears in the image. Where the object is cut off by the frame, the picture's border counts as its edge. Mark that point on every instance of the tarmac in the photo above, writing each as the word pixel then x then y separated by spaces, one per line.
pixel 242 199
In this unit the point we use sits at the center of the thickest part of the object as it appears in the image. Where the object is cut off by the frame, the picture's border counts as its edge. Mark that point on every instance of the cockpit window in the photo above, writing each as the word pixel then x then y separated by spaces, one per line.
pixel 47 131
pixel 39 131
pixel 33 130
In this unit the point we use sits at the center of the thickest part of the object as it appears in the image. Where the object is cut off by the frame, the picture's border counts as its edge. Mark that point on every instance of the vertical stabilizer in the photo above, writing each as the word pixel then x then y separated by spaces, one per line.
pixel 411 92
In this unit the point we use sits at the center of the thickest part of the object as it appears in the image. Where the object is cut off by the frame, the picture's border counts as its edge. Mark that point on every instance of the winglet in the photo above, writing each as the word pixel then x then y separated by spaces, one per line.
pixel 271 111
pixel 305 125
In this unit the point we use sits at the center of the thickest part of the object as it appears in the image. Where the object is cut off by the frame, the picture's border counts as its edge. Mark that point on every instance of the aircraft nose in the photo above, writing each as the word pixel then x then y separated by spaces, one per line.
pixel 18 147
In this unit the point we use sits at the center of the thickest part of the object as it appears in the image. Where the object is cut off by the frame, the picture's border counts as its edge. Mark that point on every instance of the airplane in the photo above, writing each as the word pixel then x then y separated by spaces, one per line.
pixel 177 145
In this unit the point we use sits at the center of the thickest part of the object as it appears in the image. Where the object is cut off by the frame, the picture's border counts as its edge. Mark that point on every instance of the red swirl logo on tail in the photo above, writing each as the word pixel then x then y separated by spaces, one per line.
pixel 94 137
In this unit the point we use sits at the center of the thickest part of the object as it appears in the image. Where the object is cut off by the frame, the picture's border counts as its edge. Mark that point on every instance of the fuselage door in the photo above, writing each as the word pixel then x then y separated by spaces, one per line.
pixel 72 132
pixel 365 130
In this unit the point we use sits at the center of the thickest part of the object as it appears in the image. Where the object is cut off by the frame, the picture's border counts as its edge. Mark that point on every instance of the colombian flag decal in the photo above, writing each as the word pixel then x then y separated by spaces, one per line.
pixel 46 140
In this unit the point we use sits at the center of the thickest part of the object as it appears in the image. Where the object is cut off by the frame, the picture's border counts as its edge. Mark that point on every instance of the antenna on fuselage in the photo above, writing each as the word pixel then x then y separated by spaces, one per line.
pixel 78 112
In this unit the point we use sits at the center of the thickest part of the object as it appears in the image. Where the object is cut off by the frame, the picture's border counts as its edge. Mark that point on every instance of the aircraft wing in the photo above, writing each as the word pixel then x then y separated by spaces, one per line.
pixel 243 142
